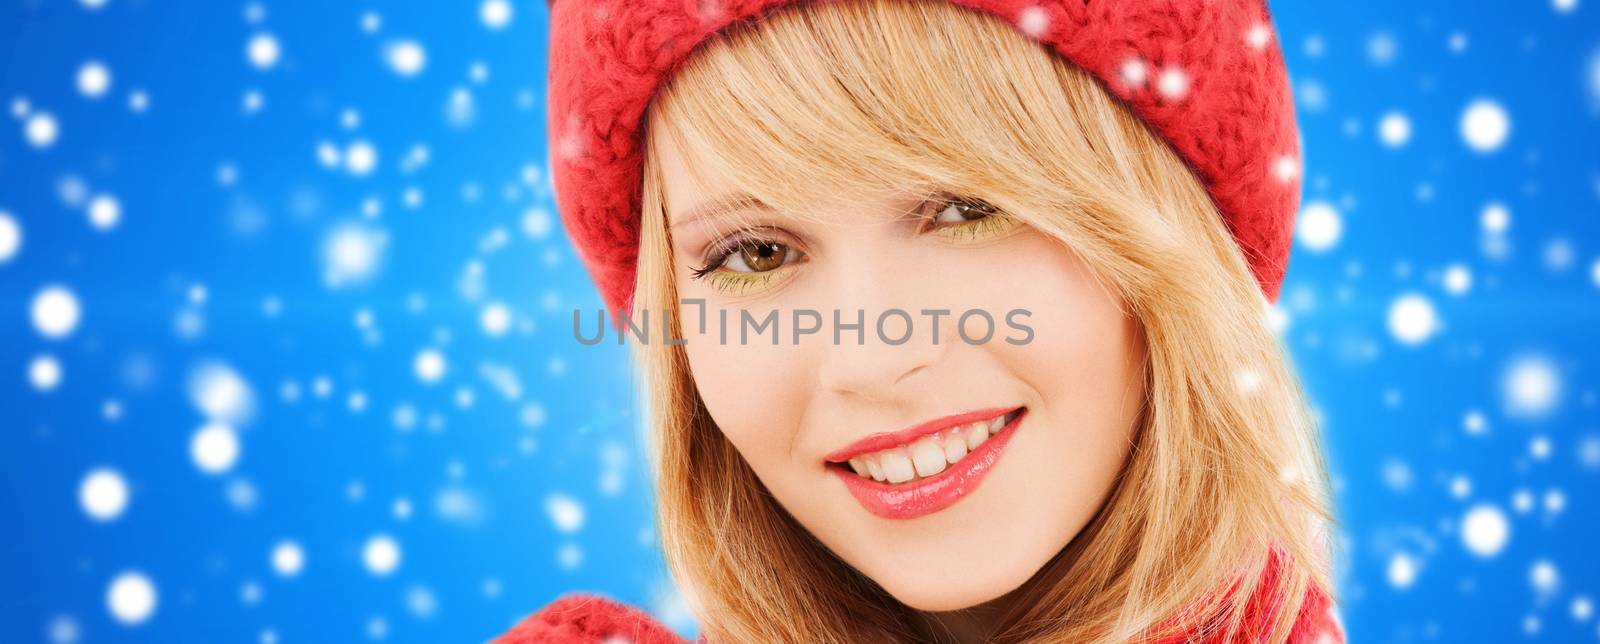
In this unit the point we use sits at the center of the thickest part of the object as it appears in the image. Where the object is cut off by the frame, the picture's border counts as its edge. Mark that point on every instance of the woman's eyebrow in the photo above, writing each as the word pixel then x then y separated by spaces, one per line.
pixel 721 206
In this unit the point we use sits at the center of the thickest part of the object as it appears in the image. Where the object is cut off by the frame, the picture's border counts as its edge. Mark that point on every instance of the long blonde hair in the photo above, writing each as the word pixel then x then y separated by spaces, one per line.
pixel 884 94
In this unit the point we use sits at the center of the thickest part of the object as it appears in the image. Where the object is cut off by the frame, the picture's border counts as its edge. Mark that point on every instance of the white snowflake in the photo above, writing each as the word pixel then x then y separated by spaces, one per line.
pixel 381 555
pixel 460 110
pixel 1543 577
pixel 41 129
pixel 1485 530
pixel 495 319
pixel 1316 45
pixel 105 211
pixel 94 79
pixel 1034 21
pixel 1382 48
pixel 288 558
pixel 44 373
pixel 565 512
pixel 11 237
pixel 220 393
pixel 1173 83
pixel 1258 36
pixel 1531 386
pixel 360 158
pixel 263 51
pixel 1495 218
pixel 1403 569
pixel 214 448
pixel 352 254
pixel 405 57
pixel 1285 168
pixel 1485 125
pixel 63 629
pixel 496 14
pixel 429 365
pixel 1320 227
pixel 1394 129
pixel 1412 319
pixel 421 602
pixel 1457 279
pixel 55 312
pixel 131 598
pixel 103 494
pixel 138 101
pixel 1582 608
pixel 569 556
pixel 1559 255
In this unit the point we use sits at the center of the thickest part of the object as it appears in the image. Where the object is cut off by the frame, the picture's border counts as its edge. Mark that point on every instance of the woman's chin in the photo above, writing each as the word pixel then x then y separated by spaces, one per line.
pixel 950 591
pixel 947 600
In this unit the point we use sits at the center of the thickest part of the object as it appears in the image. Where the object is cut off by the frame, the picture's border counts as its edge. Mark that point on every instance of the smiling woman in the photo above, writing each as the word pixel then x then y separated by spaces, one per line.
pixel 1142 468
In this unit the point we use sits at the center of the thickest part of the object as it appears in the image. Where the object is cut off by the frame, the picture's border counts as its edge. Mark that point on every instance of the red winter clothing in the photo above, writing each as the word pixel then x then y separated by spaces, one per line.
pixel 581 618
pixel 1207 75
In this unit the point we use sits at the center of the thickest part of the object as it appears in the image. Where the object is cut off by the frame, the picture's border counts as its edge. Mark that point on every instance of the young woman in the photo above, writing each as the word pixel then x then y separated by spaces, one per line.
pixel 1079 426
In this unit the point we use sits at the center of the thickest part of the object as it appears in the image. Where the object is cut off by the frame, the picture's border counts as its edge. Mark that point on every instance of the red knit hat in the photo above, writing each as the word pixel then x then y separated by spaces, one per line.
pixel 1207 75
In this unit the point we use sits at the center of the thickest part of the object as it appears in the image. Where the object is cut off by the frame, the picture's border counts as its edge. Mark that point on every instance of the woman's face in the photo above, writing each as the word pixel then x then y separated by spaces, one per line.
pixel 979 460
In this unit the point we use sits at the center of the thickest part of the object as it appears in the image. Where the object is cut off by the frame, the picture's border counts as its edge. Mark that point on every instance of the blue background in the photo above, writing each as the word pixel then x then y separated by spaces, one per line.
pixel 1452 361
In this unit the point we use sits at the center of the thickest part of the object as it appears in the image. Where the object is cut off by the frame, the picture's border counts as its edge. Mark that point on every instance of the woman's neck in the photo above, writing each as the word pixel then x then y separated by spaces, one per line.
pixel 973 624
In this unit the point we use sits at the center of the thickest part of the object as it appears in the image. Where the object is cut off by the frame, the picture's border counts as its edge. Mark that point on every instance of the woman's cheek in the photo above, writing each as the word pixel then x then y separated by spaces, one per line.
pixel 753 391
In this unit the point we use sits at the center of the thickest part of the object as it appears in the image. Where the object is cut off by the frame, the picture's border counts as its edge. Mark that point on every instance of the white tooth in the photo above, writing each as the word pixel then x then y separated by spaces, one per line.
pixel 976 435
pixel 996 424
pixel 897 466
pixel 875 469
pixel 858 466
pixel 927 456
pixel 955 447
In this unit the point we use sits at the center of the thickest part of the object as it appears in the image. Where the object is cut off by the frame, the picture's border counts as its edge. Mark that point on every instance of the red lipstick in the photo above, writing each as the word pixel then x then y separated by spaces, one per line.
pixel 932 494
pixel 886 440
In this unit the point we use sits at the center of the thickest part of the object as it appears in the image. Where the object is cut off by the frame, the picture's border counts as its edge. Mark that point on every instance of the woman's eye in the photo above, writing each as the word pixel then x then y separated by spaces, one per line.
pixel 757 257
pixel 969 219
pixel 958 211
pixel 747 264
pixel 743 265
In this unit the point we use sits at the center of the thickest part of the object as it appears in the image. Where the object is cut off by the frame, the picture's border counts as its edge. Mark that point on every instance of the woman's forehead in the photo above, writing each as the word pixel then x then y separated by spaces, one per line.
pixel 697 190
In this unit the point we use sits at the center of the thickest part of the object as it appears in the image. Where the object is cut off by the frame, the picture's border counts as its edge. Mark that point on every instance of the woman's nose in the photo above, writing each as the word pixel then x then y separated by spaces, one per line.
pixel 882 366
pixel 883 339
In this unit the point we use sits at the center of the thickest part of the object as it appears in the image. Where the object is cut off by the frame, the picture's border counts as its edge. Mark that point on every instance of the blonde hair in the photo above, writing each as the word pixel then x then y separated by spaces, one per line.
pixel 885 94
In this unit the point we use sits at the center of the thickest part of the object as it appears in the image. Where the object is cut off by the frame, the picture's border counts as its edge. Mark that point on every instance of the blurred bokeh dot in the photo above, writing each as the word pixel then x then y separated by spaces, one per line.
pixel 55 312
pixel 131 598
pixel 10 237
pixel 214 448
pixel 44 373
pixel 1485 530
pixel 381 555
pixel 103 494
pixel 288 558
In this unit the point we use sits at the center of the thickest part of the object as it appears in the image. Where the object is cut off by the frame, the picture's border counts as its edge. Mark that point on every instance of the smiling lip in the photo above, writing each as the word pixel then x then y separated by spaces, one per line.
pixel 886 440
pixel 931 494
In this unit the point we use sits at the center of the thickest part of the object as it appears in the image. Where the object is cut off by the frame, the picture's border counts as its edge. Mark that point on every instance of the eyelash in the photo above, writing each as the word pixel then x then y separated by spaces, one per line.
pixel 726 246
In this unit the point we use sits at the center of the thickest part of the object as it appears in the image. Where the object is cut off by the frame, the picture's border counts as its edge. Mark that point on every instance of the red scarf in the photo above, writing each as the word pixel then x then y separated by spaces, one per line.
pixel 582 618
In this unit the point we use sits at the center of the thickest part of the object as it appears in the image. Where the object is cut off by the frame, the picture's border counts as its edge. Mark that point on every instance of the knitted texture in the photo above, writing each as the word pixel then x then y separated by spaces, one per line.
pixel 1206 75
pixel 582 618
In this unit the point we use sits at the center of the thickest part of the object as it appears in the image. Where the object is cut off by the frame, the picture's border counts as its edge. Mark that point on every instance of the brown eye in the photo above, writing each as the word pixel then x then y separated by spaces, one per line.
pixel 747 258
pixel 958 210
pixel 758 257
